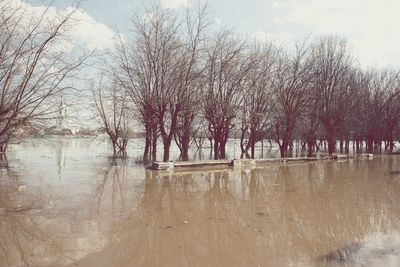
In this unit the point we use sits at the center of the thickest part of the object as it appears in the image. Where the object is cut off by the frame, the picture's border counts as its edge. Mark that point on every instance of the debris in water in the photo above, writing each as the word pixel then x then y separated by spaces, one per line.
pixel 393 173
pixel 342 255
pixel 22 188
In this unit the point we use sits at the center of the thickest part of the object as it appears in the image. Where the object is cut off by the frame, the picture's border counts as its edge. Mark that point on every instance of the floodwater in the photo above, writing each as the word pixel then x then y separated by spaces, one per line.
pixel 62 203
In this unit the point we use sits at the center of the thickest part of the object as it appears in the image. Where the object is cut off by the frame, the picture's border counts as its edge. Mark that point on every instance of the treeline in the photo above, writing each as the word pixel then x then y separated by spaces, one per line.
pixel 179 79
pixel 182 80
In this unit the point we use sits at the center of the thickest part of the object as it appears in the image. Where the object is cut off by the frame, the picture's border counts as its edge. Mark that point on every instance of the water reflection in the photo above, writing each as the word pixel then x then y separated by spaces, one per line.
pixel 103 214
pixel 112 189
pixel 49 221
pixel 289 215
pixel 25 228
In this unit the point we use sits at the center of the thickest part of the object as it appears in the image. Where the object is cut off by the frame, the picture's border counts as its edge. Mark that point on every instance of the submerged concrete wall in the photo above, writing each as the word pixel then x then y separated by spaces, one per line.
pixel 168 166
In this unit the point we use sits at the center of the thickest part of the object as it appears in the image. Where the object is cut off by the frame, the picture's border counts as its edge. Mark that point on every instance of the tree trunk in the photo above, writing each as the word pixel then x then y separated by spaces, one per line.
pixel 185 155
pixel 185 148
pixel 252 141
pixel 154 143
pixel 283 148
pixel 3 158
pixel 310 145
pixel 167 145
pixel 331 145
pixel 390 140
pixel 303 145
pixel 166 139
pixel 370 144
pixel 216 149
pixel 122 144
pixel 3 147
pixel 222 149
pixel 147 146
pixel 242 144
pixel 114 145
pixel 252 148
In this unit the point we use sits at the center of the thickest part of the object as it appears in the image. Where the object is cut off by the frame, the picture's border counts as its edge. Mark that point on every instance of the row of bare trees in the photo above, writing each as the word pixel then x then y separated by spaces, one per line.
pixel 180 80
pixel 160 71
pixel 185 80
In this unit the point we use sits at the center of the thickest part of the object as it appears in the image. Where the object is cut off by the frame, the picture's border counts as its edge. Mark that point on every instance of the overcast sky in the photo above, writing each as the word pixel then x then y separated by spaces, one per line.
pixel 371 26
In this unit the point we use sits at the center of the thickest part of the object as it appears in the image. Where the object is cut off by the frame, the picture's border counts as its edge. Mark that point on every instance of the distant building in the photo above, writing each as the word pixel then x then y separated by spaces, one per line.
pixel 60 127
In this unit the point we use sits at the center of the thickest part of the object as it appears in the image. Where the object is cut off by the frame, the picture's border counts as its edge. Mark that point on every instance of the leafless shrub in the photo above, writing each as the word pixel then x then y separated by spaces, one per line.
pixel 112 107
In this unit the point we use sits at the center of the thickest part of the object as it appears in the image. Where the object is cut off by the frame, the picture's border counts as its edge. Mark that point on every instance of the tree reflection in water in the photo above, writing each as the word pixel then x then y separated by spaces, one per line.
pixel 26 233
pixel 275 216
pixel 280 215
pixel 55 224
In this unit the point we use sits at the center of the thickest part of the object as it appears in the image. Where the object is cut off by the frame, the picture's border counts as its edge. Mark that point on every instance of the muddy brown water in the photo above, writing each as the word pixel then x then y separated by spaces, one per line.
pixel 63 204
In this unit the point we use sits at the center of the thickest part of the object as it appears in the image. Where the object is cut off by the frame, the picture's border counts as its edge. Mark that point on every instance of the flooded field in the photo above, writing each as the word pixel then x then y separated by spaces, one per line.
pixel 62 203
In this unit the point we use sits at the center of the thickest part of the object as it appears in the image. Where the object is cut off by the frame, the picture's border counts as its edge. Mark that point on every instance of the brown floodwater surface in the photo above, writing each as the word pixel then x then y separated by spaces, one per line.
pixel 63 203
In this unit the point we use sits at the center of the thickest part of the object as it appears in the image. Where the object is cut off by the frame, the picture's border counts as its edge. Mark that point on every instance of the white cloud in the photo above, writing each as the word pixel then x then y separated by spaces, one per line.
pixel 93 34
pixel 369 25
pixel 174 4
pixel 83 29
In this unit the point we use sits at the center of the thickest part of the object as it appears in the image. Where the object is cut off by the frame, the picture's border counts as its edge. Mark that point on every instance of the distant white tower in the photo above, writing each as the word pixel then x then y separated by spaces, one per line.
pixel 62 114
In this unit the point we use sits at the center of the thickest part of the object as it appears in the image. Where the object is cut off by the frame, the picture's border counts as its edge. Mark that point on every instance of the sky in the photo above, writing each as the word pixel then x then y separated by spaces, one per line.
pixel 370 26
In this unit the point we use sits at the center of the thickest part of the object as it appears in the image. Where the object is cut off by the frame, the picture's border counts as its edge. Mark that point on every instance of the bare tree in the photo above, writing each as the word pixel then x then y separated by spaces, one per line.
pixel 257 109
pixel 374 115
pixel 160 69
pixel 374 105
pixel 292 79
pixel 171 69
pixel 390 83
pixel 226 70
pixel 191 71
pixel 112 107
pixel 310 123
pixel 145 69
pixel 333 76
pixel 356 124
pixel 33 68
